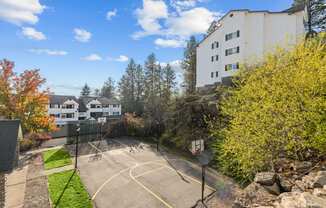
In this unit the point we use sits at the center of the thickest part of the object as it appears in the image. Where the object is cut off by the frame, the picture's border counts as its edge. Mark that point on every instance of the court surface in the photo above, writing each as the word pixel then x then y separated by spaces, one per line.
pixel 127 173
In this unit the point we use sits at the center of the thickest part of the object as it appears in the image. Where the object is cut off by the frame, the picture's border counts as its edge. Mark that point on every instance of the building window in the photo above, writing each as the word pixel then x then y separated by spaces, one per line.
pixel 216 58
pixel 69 106
pixel 115 105
pixel 116 113
pixel 68 115
pixel 216 74
pixel 212 58
pixel 212 45
pixel 93 106
pixel 216 44
pixel 212 74
pixel 54 105
pixel 231 51
pixel 232 35
pixel 229 67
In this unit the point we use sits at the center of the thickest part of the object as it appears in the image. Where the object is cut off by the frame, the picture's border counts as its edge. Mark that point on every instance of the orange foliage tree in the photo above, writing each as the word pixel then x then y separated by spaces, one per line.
pixel 21 98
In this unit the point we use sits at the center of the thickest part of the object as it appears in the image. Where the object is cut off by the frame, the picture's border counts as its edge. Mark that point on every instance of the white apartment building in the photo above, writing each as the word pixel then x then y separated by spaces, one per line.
pixel 66 109
pixel 63 108
pixel 243 36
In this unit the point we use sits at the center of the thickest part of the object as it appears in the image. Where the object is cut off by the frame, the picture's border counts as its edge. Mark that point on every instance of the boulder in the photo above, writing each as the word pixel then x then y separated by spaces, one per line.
pixel 309 180
pixel 320 179
pixel 320 192
pixel 290 199
pixel 265 178
pixel 285 184
pixel 298 186
pixel 273 189
pixel 310 201
pixel 301 166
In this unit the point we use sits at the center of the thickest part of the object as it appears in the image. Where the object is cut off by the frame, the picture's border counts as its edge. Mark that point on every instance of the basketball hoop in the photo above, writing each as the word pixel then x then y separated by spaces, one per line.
pixel 197 146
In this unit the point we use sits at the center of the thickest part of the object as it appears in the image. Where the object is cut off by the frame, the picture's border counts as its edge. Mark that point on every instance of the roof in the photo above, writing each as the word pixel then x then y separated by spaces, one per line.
pixel 10 132
pixel 290 10
pixel 102 100
pixel 60 99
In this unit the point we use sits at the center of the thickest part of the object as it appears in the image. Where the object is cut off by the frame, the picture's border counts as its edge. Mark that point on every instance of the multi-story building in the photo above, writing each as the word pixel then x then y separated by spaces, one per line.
pixel 244 37
pixel 70 109
pixel 63 108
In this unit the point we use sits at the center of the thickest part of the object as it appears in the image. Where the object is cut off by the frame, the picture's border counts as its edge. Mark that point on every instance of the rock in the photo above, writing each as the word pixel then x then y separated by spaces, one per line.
pixel 273 189
pixel 285 184
pixel 290 199
pixel 310 201
pixel 325 187
pixel 320 192
pixel 298 186
pixel 265 178
pixel 320 179
pixel 308 180
pixel 301 166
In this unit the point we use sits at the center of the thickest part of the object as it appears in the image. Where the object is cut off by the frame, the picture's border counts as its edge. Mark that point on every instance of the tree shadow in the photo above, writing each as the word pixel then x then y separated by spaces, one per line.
pixel 60 154
pixel 64 189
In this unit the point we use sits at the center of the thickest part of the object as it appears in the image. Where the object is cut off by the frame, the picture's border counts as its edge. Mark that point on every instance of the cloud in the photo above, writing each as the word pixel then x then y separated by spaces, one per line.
pixel 49 52
pixel 121 58
pixel 175 65
pixel 82 35
pixel 111 14
pixel 169 43
pixel 173 27
pixel 92 57
pixel 20 11
pixel 148 17
pixel 191 22
pixel 33 34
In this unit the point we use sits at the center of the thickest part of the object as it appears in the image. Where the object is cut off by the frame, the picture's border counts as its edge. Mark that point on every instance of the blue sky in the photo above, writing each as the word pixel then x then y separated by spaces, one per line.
pixel 78 41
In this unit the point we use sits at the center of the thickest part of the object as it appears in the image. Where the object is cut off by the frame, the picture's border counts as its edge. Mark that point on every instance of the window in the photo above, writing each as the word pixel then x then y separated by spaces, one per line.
pixel 212 58
pixel 93 106
pixel 115 105
pixel 212 45
pixel 69 106
pixel 216 58
pixel 216 74
pixel 231 51
pixel 54 105
pixel 229 67
pixel 116 113
pixel 232 35
pixel 67 115
pixel 216 44
pixel 212 74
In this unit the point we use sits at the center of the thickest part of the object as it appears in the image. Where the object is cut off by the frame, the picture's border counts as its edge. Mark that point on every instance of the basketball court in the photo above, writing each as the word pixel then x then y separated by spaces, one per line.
pixel 126 173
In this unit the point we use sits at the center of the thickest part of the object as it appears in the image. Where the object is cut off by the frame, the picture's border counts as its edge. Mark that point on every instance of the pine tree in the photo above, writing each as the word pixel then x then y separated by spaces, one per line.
pixel 189 66
pixel 169 83
pixel 96 92
pixel 108 88
pixel 86 90
pixel 317 13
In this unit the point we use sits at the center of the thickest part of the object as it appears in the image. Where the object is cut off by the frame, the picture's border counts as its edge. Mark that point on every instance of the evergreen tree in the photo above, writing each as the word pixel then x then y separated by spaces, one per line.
pixel 189 66
pixel 317 11
pixel 108 88
pixel 96 92
pixel 86 90
pixel 139 90
pixel 169 83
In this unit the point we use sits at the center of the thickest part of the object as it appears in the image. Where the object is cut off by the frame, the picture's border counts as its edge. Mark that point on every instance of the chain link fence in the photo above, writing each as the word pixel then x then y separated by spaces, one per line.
pixel 2 190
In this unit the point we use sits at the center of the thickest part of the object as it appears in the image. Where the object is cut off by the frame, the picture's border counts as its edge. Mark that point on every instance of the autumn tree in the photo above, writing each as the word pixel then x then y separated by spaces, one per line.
pixel 277 109
pixel 86 90
pixel 189 66
pixel 21 98
pixel 108 88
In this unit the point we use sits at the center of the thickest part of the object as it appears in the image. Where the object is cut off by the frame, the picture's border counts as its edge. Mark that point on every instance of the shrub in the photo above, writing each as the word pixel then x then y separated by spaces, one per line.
pixel 33 140
pixel 129 125
pixel 277 109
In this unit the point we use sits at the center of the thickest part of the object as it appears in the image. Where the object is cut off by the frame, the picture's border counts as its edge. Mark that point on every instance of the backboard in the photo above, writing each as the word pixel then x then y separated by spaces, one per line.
pixel 197 146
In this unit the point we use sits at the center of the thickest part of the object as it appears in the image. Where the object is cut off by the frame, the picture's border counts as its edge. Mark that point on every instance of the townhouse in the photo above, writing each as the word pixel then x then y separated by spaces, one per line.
pixel 67 109
pixel 244 37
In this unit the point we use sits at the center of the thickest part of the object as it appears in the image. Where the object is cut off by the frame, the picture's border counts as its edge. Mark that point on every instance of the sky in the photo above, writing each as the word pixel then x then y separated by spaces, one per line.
pixel 74 42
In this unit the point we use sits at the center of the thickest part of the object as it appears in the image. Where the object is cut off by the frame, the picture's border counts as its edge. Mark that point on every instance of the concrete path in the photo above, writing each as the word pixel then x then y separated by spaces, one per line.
pixel 58 170
pixel 15 188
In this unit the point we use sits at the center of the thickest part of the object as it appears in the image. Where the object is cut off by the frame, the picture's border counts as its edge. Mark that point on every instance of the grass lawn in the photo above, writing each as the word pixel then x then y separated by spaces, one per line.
pixel 67 191
pixel 56 158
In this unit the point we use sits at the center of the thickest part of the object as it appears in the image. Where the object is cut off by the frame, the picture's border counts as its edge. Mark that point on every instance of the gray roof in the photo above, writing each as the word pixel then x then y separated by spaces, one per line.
pixel 102 100
pixel 60 99
pixel 10 132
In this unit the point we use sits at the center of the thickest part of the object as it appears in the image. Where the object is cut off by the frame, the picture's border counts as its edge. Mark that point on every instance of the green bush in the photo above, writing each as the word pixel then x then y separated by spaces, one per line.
pixel 276 109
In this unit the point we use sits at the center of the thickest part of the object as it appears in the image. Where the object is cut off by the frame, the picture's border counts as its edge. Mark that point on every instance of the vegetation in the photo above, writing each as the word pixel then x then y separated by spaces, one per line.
pixel 21 98
pixel 86 90
pixel 66 190
pixel 277 109
pixel 108 88
pixel 189 66
pixel 56 158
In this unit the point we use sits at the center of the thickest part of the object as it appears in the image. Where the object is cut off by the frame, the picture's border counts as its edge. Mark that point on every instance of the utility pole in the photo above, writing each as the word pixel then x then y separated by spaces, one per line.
pixel 203 183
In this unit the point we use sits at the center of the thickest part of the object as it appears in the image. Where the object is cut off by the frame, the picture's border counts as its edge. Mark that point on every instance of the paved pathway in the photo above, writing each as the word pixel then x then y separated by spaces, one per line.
pixel 15 188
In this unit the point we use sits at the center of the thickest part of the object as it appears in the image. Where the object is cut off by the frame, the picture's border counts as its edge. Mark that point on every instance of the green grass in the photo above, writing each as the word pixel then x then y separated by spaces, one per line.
pixel 67 190
pixel 56 158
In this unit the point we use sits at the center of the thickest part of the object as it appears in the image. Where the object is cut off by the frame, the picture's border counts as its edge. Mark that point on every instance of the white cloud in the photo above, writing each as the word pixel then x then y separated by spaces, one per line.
pixel 148 17
pixel 92 57
pixel 191 22
pixel 82 35
pixel 169 43
pixel 175 65
pixel 49 52
pixel 20 11
pixel 31 33
pixel 174 27
pixel 122 58
pixel 111 14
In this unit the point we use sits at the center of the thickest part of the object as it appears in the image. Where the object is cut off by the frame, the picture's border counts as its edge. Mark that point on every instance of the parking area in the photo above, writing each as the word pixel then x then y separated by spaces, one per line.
pixel 127 173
